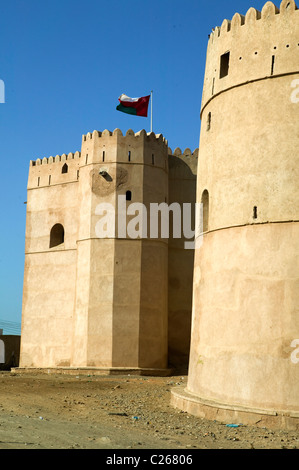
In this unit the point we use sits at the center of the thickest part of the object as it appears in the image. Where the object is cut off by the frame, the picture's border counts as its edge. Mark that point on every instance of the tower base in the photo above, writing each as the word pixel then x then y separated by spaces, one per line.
pixel 233 414
pixel 88 371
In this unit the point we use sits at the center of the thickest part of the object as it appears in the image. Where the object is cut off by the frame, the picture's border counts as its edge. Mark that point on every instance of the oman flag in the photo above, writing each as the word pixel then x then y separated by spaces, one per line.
pixel 135 106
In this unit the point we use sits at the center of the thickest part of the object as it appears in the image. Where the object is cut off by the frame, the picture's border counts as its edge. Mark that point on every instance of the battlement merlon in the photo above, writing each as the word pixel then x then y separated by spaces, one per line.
pixel 252 47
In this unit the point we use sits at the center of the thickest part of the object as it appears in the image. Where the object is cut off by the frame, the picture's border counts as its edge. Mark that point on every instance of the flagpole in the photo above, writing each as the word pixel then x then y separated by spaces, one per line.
pixel 152 111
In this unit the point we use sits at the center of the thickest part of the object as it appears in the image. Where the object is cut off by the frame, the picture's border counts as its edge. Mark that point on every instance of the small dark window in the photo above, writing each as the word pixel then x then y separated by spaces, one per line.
pixel 49 180
pixel 205 210
pixel 128 196
pixel 56 235
pixel 38 181
pixel 224 64
pixel 103 155
pixel 255 212
pixel 272 65
pixel 129 155
pixel 209 119
pixel 65 168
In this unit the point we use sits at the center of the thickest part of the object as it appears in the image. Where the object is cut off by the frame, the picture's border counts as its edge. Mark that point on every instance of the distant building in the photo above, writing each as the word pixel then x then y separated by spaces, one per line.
pixel 9 351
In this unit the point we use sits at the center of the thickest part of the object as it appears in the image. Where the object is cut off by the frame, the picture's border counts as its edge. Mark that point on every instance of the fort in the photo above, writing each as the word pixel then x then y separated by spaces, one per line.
pixel 110 305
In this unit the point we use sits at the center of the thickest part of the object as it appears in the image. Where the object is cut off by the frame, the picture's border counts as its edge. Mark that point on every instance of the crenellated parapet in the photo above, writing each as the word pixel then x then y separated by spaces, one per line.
pixel 257 45
pixel 115 147
pixel 186 153
pixel 107 149
pixel 142 134
pixel 44 172
pixel 183 161
pixel 57 159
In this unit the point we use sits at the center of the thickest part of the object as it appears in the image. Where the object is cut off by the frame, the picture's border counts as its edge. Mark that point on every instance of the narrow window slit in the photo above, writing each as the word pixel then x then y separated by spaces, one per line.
pixel 272 65
pixel 205 210
pixel 209 119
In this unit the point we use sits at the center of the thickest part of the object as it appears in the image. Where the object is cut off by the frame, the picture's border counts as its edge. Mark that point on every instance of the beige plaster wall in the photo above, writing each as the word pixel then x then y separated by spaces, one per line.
pixel 246 316
pixel 49 273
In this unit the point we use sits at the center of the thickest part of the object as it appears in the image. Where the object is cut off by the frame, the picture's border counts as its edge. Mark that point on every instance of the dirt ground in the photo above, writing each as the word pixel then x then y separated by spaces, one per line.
pixel 45 411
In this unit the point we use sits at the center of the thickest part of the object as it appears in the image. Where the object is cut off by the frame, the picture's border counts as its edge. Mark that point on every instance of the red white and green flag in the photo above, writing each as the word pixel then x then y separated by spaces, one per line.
pixel 135 106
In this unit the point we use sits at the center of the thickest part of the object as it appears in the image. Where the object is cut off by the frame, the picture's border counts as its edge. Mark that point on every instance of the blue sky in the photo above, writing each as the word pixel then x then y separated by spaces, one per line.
pixel 64 64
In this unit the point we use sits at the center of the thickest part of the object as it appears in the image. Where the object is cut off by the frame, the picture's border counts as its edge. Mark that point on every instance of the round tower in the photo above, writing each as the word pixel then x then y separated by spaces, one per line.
pixel 245 302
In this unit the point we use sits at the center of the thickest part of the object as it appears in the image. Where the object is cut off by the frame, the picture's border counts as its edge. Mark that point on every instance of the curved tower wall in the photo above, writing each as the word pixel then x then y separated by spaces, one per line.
pixel 246 280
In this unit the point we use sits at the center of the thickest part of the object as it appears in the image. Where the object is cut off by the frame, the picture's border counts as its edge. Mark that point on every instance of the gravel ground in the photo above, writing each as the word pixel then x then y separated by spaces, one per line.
pixel 42 411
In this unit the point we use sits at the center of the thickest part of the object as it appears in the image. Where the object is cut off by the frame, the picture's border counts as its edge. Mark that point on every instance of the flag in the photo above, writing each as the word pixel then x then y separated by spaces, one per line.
pixel 135 106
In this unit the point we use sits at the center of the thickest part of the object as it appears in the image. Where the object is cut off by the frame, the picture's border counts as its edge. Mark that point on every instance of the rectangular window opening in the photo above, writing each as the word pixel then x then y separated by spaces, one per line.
pixel 209 119
pixel 272 65
pixel 103 155
pixel 129 155
pixel 224 64
pixel 255 212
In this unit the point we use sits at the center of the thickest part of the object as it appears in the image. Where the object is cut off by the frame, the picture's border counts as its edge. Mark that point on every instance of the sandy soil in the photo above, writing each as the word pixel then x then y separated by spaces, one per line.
pixel 113 412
